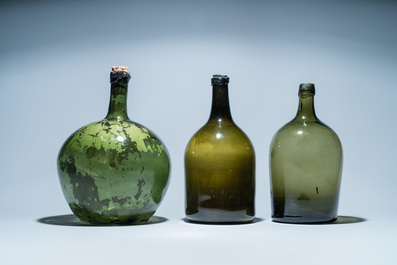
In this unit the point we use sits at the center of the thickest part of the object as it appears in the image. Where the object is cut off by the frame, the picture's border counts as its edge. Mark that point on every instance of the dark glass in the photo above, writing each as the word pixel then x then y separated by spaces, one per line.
pixel 220 166
pixel 305 167
pixel 114 170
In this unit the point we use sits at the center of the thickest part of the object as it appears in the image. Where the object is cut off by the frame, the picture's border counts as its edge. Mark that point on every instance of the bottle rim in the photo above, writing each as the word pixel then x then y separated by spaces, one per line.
pixel 219 80
pixel 307 87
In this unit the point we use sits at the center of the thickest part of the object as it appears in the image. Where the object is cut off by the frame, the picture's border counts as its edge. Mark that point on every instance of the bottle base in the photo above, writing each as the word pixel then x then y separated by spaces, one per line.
pixel 300 220
pixel 216 216
pixel 111 218
pixel 219 223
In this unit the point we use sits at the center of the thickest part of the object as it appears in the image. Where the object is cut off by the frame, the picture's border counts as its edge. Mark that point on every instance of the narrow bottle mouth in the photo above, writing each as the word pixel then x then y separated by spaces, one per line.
pixel 219 80
pixel 119 74
pixel 307 87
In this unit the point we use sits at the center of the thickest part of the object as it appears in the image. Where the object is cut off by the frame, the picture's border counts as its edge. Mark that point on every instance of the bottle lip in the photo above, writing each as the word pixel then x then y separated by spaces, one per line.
pixel 309 87
pixel 219 80
pixel 119 74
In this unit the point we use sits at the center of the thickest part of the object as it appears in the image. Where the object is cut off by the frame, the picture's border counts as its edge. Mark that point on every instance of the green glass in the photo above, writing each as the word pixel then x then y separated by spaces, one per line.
pixel 220 166
pixel 114 170
pixel 305 167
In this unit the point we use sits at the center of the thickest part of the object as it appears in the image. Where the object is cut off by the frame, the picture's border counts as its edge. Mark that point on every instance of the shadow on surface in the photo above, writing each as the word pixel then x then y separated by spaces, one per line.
pixel 347 220
pixel 256 220
pixel 72 220
pixel 339 221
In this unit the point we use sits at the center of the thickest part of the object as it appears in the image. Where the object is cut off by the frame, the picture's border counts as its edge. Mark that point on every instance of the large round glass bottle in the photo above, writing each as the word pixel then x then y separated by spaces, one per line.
pixel 220 166
pixel 114 170
pixel 305 167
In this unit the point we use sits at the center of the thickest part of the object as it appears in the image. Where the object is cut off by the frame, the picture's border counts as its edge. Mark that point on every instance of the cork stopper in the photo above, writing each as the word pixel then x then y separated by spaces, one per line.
pixel 116 68
pixel 119 74
pixel 220 80
pixel 309 87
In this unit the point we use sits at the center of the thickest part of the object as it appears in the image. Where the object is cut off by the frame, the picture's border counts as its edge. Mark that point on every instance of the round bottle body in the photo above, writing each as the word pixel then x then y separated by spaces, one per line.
pixel 305 170
pixel 220 175
pixel 113 172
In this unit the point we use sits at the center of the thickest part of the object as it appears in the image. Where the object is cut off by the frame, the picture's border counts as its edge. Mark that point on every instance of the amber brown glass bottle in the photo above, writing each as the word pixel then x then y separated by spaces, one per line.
pixel 305 167
pixel 220 166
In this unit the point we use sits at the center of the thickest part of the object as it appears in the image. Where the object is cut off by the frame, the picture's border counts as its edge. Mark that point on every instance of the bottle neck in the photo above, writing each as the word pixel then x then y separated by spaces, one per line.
pixel 306 107
pixel 118 102
pixel 220 109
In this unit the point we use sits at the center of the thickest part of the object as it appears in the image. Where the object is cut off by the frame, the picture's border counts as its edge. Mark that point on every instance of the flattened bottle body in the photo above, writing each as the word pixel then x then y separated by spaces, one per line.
pixel 305 168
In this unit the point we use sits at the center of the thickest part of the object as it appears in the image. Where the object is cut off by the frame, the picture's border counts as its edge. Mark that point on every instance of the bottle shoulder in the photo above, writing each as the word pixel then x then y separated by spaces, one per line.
pixel 305 144
pixel 213 135
pixel 313 129
pixel 226 130
pixel 114 135
pixel 115 127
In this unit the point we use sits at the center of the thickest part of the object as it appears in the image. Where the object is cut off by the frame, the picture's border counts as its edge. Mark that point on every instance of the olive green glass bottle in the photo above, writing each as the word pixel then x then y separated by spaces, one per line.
pixel 305 167
pixel 220 166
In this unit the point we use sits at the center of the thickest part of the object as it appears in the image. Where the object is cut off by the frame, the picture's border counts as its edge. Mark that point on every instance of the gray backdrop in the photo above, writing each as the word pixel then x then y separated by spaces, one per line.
pixel 55 59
